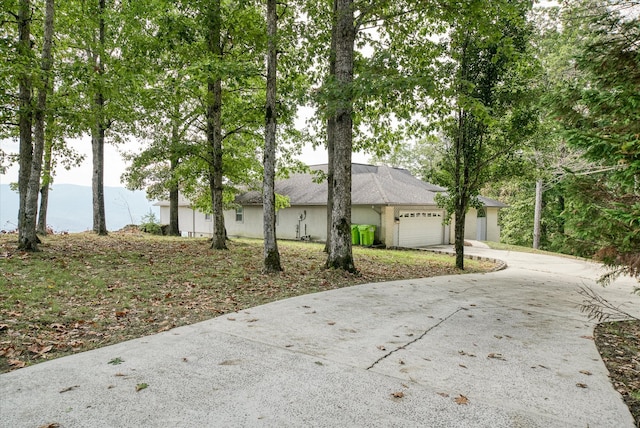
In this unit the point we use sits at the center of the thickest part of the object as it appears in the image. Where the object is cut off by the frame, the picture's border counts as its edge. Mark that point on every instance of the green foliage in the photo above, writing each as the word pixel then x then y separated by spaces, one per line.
pixel 599 109
pixel 150 224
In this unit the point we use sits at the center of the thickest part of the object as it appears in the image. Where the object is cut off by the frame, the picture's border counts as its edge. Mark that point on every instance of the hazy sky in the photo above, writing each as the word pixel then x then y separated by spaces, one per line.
pixel 115 165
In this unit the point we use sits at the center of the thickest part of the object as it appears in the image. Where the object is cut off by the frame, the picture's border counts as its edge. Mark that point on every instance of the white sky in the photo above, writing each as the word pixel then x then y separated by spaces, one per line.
pixel 115 165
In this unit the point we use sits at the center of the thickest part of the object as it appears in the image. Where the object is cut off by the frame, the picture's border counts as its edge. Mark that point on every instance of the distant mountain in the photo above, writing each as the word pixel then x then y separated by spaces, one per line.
pixel 70 208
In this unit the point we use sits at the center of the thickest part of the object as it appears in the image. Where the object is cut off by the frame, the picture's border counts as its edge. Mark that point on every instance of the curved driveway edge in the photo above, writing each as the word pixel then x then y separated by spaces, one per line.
pixel 503 349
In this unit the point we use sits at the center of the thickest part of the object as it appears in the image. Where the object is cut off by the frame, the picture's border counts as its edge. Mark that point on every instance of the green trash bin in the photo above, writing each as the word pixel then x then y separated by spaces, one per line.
pixel 355 235
pixel 367 234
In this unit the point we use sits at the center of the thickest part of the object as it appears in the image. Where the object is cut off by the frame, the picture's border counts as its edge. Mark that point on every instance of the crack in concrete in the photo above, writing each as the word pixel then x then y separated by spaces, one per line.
pixel 416 339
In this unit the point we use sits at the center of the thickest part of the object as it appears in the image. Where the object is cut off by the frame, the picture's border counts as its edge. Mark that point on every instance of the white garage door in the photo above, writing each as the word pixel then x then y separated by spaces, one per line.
pixel 419 228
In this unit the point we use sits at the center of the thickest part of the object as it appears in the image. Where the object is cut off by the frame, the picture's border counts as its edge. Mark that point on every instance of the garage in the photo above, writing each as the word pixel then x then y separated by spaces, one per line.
pixel 419 228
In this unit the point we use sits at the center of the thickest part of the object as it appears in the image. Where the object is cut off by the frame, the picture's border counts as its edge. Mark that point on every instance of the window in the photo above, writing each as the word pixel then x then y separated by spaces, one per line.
pixel 208 217
pixel 240 215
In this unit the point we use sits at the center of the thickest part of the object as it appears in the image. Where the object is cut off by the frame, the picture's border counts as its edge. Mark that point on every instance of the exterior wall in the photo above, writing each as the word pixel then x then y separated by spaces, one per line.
pixel 471 224
pixel 314 223
pixel 389 227
pixel 493 230
pixel 191 223
pixel 298 221
pixel 249 227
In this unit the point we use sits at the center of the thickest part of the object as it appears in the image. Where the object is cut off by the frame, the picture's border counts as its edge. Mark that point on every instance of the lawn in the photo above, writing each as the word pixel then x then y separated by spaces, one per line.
pixel 83 291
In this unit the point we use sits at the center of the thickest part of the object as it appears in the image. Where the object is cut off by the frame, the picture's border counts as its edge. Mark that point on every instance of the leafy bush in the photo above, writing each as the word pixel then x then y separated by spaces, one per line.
pixel 151 224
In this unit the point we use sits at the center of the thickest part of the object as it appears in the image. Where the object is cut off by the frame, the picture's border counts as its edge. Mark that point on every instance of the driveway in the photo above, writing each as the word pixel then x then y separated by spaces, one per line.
pixel 504 349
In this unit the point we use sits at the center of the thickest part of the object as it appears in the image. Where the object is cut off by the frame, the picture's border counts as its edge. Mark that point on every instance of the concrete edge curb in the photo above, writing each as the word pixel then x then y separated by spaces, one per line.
pixel 500 264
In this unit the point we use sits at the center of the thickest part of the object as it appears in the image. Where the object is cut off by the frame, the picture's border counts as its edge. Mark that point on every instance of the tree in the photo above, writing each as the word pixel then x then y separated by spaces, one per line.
pixel 25 118
pixel 488 89
pixel 29 238
pixel 271 254
pixel 598 108
pixel 340 253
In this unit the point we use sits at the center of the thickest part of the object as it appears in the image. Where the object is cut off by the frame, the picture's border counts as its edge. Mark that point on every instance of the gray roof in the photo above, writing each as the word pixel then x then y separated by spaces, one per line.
pixel 371 185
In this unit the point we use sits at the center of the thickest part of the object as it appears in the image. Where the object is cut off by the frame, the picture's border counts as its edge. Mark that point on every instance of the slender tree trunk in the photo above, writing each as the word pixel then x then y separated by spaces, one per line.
pixel 97 150
pixel 31 208
pixel 214 130
pixel 97 134
pixel 46 179
pixel 537 215
pixel 174 193
pixel 271 254
pixel 331 129
pixel 25 118
pixel 340 252
pixel 460 204
pixel 461 214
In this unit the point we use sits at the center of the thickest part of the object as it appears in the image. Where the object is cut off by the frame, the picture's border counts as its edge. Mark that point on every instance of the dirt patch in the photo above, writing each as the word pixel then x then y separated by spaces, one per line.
pixel 619 345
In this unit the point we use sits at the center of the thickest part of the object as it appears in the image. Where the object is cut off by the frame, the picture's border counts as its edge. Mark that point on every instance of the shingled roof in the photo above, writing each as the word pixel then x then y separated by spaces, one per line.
pixel 371 185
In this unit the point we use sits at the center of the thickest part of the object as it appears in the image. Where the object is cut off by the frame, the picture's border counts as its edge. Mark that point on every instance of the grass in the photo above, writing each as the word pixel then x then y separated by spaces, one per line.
pixel 83 291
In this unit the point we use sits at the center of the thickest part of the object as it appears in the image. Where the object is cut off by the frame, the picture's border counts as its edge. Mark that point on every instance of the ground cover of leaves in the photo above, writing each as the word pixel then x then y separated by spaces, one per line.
pixel 619 345
pixel 84 291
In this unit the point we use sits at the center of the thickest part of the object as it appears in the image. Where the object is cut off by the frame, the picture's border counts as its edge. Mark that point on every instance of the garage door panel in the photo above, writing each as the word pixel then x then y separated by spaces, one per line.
pixel 419 228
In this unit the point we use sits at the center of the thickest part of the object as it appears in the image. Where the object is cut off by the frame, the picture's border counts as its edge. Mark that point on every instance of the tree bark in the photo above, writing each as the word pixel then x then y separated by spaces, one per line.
pixel 214 130
pixel 46 181
pixel 331 129
pixel 340 252
pixel 31 208
pixel 25 118
pixel 461 175
pixel 537 215
pixel 98 133
pixel 174 190
pixel 174 195
pixel 271 254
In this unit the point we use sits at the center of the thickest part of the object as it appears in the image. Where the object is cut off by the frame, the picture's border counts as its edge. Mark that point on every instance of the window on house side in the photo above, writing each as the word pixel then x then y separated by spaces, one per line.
pixel 239 215
pixel 208 217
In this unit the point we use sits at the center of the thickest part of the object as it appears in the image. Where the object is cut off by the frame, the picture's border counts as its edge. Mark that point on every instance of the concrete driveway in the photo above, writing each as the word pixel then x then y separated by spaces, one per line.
pixel 504 349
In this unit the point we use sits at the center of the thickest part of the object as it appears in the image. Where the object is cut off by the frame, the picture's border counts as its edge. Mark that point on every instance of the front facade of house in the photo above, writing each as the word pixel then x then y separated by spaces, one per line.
pixel 402 208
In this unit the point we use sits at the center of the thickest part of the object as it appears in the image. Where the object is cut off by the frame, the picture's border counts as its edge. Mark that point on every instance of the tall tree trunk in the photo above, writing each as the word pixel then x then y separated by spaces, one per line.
pixel 98 132
pixel 331 129
pixel 461 171
pixel 97 150
pixel 461 214
pixel 271 254
pixel 25 118
pixel 340 252
pixel 214 130
pixel 31 208
pixel 174 190
pixel 537 215
pixel 174 196
pixel 46 178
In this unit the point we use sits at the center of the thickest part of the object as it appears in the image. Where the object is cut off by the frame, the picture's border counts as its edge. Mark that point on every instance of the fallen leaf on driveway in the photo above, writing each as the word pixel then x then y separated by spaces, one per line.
pixel 398 394
pixel 581 385
pixel 141 386
pixel 586 372
pixel 496 356
pixel 381 347
pixel 51 425
pixel 443 394
pixel 587 337
pixel 461 400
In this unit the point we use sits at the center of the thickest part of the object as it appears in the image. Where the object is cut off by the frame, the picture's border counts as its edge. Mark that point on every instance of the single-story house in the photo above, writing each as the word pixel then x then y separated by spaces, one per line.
pixel 402 207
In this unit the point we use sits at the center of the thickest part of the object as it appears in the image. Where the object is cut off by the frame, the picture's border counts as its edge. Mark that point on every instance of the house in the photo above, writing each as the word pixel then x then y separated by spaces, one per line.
pixel 402 207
